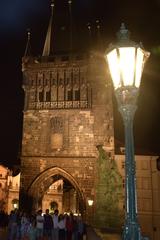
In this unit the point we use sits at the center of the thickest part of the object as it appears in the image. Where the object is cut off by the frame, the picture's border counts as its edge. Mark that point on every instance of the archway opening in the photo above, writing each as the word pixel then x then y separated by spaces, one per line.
pixel 61 195
pixel 58 186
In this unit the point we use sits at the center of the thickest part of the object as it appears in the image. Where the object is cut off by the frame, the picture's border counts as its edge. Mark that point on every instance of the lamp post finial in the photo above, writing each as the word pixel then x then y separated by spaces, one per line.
pixel 123 33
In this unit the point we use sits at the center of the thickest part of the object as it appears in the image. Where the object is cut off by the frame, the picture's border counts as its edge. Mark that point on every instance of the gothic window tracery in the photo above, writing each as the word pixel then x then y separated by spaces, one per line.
pixel 61 93
pixel 59 88
pixel 57 124
pixel 54 94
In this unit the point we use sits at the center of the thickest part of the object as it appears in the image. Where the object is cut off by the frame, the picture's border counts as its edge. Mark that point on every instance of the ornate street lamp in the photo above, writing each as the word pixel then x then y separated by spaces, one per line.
pixel 126 61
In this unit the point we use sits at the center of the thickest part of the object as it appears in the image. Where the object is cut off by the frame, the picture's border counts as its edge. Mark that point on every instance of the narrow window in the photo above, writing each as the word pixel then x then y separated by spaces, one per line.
pixel 48 96
pixel 60 81
pixel 40 96
pixel 77 95
pixel 45 82
pixel 69 95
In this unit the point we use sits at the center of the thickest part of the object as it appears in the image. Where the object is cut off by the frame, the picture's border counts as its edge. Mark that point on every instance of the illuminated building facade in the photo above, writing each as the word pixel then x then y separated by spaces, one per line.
pixel 68 113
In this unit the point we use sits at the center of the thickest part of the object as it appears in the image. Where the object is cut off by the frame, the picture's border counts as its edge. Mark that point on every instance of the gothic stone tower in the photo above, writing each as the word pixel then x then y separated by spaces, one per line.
pixel 67 113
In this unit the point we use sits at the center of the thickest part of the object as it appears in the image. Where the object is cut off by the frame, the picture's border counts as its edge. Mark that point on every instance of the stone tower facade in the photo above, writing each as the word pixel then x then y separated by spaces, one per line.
pixel 67 113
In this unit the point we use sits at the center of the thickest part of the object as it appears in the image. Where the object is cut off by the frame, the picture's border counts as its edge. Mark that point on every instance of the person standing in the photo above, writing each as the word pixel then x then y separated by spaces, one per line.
pixel 55 225
pixel 12 225
pixel 48 226
pixel 69 227
pixel 81 228
pixel 62 227
pixel 25 224
pixel 32 233
pixel 39 225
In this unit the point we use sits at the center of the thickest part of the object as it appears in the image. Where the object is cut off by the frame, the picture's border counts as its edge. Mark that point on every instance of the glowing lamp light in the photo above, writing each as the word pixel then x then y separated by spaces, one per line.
pixel 126 61
pixel 121 74
pixel 15 205
pixel 90 202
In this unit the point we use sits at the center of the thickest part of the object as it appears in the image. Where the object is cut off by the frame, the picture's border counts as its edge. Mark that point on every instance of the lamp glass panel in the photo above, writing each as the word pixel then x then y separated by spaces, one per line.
pixel 113 64
pixel 127 65
pixel 139 67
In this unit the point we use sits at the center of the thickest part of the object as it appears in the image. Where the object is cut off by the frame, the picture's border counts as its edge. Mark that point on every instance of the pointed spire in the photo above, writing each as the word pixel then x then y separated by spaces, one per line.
pixel 71 25
pixel 48 47
pixel 28 45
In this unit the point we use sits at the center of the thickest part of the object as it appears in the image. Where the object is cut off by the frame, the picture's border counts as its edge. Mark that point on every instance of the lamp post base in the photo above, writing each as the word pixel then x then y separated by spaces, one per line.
pixel 132 231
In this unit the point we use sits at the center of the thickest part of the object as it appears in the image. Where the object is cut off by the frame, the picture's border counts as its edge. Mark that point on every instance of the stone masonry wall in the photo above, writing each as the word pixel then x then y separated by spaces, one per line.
pixel 82 169
pixel 78 131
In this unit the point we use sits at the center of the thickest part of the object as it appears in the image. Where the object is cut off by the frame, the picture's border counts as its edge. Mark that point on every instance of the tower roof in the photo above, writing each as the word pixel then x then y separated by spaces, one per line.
pixel 48 46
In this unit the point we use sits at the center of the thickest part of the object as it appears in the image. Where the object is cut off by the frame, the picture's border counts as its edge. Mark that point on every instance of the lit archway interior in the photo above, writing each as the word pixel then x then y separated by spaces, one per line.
pixel 57 186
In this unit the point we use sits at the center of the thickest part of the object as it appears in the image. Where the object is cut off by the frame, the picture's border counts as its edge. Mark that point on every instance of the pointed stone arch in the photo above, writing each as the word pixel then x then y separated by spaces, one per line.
pixel 42 182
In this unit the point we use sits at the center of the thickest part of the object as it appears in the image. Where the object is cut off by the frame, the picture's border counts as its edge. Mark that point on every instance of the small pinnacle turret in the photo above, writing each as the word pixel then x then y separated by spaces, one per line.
pixel 28 45
pixel 48 46
pixel 71 25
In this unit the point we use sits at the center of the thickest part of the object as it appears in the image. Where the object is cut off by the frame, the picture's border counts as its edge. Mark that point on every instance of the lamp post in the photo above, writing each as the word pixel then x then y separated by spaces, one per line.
pixel 126 61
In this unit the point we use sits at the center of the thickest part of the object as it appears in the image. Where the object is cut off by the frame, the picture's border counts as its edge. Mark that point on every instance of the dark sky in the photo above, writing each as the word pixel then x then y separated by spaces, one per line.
pixel 142 18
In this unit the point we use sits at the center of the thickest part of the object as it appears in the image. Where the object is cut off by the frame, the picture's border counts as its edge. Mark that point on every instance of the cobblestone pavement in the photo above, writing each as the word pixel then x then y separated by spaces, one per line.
pixel 3 234
pixel 91 235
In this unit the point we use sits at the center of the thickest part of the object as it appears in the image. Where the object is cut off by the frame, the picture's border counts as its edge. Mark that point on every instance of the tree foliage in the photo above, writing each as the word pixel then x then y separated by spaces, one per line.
pixel 109 191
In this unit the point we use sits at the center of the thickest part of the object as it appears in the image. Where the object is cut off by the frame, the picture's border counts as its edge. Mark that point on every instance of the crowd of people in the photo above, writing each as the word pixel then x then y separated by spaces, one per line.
pixel 39 226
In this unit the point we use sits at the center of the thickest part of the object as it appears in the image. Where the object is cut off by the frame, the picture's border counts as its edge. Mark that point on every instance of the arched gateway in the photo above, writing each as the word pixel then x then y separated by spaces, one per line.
pixel 45 179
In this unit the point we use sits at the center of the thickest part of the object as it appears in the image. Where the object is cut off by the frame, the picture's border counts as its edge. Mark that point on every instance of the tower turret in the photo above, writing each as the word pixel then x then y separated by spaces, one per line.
pixel 27 54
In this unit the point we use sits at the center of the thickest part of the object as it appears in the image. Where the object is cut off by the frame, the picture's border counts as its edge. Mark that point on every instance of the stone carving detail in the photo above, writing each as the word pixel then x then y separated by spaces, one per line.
pixel 57 125
pixel 66 88
pixel 56 133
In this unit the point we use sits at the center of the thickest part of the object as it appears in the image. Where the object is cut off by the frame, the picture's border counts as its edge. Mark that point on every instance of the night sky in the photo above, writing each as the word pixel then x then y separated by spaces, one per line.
pixel 142 18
